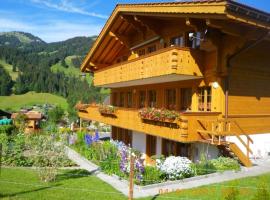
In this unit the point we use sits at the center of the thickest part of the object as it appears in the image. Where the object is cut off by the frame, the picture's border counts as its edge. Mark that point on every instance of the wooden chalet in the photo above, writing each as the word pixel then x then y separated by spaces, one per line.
pixel 32 120
pixel 208 60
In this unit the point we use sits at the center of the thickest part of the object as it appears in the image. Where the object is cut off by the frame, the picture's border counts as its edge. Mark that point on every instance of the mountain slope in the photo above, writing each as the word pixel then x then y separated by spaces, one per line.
pixel 34 59
pixel 8 68
pixel 19 39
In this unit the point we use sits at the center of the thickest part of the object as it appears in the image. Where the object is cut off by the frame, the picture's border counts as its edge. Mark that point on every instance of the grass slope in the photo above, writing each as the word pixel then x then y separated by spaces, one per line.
pixel 25 184
pixel 71 70
pixel 15 102
pixel 8 68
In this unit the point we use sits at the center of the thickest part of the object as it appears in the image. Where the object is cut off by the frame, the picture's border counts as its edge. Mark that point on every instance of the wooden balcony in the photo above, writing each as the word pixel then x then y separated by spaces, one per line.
pixel 183 129
pixel 166 65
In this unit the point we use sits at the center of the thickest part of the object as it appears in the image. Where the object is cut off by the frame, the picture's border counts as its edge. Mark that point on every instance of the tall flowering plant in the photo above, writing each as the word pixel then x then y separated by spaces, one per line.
pixel 88 139
pixel 125 153
pixel 158 114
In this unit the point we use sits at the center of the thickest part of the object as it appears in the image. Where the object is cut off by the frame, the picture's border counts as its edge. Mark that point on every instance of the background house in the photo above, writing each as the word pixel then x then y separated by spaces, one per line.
pixel 32 120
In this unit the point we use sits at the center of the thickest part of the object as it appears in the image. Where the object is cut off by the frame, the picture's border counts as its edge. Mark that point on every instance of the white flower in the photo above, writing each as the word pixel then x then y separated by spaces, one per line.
pixel 175 167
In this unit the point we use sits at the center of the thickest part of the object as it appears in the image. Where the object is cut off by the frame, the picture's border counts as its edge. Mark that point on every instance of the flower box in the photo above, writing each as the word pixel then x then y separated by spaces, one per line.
pixel 159 115
pixel 107 110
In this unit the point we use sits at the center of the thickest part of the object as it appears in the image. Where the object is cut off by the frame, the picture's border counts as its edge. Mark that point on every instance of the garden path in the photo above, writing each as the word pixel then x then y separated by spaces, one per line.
pixel 261 167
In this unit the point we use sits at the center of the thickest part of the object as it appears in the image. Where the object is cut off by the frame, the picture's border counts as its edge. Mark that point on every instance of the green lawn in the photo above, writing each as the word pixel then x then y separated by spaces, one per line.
pixel 71 70
pixel 70 184
pixel 247 188
pixel 8 68
pixel 24 184
pixel 15 102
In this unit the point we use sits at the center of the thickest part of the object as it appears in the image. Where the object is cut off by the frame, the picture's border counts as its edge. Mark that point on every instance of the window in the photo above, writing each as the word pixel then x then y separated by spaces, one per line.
pixel 114 99
pixel 178 41
pixel 122 99
pixel 141 52
pixel 195 41
pixel 152 98
pixel 186 95
pixel 204 98
pixel 129 99
pixel 151 49
pixel 123 135
pixel 170 147
pixel 142 98
pixel 171 99
pixel 151 145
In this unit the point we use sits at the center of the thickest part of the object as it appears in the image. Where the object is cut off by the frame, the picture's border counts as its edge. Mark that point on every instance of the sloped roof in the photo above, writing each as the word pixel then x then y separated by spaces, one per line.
pixel 221 9
pixel 4 113
pixel 29 115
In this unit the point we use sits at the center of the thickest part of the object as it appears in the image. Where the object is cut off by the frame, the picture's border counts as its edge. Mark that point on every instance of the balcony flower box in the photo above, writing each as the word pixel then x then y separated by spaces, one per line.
pixel 159 115
pixel 106 110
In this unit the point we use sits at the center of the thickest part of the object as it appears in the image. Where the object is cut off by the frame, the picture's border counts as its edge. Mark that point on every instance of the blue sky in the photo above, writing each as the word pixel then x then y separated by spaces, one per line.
pixel 56 20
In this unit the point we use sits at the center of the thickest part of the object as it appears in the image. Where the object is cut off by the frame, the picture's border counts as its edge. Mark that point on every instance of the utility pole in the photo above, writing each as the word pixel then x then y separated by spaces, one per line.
pixel 131 175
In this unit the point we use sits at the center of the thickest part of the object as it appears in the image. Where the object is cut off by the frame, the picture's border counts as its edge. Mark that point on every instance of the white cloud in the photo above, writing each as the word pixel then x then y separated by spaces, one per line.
pixel 68 6
pixel 51 31
pixel 59 30
pixel 10 25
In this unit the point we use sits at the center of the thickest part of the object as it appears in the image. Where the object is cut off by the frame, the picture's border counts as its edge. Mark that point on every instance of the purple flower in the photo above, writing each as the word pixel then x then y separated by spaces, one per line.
pixel 88 139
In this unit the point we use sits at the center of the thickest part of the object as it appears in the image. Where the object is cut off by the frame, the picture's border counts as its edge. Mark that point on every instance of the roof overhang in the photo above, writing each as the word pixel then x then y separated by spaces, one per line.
pixel 203 9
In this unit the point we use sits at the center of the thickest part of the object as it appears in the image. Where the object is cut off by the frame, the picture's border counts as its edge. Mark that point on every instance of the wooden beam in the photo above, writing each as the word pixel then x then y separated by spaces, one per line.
pixel 135 24
pixel 196 25
pixel 103 57
pixel 149 24
pixel 116 52
pixel 120 38
pixel 225 27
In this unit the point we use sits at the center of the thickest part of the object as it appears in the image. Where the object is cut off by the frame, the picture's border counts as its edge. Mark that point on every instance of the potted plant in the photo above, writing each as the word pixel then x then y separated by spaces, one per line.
pixel 106 109
pixel 156 114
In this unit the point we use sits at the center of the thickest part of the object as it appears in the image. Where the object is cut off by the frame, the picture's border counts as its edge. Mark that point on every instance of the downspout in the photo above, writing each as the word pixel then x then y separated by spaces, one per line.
pixel 229 66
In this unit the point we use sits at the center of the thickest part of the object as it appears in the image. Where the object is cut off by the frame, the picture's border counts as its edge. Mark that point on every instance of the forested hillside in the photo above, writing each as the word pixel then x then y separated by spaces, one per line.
pixel 32 58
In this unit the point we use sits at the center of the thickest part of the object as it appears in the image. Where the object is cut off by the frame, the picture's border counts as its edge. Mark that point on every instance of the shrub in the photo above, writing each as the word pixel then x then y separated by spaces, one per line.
pixel 55 114
pixel 14 148
pixel 152 175
pixel 48 157
pixel 204 166
pixel 111 166
pixel 80 138
pixel 7 129
pixel 176 167
pixel 225 163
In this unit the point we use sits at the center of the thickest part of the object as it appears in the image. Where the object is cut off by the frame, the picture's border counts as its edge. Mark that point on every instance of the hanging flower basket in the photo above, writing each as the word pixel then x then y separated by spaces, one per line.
pixel 161 115
pixel 106 110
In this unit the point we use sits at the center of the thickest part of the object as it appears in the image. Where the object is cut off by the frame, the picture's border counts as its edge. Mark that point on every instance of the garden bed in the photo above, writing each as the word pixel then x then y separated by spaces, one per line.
pixel 114 159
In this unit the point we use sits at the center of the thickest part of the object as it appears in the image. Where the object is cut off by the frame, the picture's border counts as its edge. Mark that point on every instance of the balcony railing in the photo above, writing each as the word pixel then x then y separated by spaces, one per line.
pixel 165 65
pixel 184 128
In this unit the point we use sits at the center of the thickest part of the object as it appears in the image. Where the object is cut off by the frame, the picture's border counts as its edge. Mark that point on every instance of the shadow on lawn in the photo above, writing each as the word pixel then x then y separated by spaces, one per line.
pixel 72 174
pixel 155 197
pixel 27 191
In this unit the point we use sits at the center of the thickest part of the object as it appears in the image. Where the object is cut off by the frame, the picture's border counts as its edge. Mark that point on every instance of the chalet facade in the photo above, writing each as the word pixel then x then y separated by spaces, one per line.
pixel 205 64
